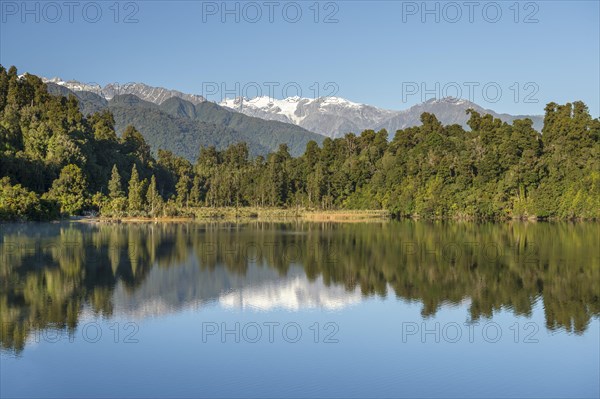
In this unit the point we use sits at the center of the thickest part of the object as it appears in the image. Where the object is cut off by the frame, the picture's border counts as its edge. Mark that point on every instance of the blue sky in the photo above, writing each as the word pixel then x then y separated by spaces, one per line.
pixel 378 52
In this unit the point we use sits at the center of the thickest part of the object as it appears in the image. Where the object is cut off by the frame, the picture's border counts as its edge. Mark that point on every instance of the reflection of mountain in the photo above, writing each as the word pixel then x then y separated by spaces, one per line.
pixel 260 288
pixel 51 272
pixel 292 294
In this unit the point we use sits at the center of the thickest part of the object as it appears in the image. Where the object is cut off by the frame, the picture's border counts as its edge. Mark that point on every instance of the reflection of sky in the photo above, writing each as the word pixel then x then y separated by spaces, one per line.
pixel 371 358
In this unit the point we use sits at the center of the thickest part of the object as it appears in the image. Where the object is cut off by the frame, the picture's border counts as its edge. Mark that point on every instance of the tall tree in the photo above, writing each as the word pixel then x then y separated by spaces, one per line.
pixel 115 189
pixel 183 191
pixel 153 198
pixel 136 192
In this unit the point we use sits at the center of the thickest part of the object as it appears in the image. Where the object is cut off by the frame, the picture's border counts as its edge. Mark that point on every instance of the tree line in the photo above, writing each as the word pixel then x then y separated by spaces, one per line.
pixel 56 162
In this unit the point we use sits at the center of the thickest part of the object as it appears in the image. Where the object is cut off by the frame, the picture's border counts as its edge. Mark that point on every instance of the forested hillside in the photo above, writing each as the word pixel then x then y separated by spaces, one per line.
pixel 54 161
pixel 182 127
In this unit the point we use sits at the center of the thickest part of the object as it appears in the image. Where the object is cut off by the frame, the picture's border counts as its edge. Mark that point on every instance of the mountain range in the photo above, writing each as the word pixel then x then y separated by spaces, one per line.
pixel 334 116
pixel 183 127
pixel 182 122
pixel 147 93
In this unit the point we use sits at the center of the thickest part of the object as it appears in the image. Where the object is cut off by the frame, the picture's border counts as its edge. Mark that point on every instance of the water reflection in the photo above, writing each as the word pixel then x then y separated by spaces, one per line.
pixel 293 294
pixel 51 273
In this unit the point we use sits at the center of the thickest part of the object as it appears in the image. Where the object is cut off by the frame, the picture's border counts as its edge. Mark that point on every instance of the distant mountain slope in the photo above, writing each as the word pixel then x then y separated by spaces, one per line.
pixel 266 133
pixel 182 127
pixel 448 111
pixel 152 94
pixel 183 136
pixel 89 102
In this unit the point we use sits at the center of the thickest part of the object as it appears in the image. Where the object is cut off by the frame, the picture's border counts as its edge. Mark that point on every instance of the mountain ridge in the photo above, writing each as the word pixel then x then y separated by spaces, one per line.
pixel 327 116
pixel 154 94
pixel 334 117
pixel 180 126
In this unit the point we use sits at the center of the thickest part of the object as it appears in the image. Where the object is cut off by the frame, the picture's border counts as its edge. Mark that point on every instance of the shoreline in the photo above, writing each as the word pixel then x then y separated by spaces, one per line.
pixel 252 214
pixel 242 215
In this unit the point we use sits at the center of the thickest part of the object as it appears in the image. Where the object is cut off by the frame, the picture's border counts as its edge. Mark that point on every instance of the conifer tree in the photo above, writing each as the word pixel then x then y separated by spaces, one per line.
pixel 136 192
pixel 195 192
pixel 183 191
pixel 115 189
pixel 153 198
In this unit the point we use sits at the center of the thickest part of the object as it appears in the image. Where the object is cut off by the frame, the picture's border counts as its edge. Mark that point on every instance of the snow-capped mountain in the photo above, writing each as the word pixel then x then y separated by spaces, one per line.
pixel 334 116
pixel 156 95
pixel 329 116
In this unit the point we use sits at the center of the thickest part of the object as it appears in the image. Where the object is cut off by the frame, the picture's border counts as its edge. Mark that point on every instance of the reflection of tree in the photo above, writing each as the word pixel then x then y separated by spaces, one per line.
pixel 49 272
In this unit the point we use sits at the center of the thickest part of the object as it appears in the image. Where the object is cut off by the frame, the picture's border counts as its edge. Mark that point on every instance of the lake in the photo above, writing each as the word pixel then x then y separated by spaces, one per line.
pixel 390 309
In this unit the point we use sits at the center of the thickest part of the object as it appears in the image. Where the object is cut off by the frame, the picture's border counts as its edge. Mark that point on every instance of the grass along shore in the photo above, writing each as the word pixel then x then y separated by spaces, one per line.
pixel 253 213
pixel 272 214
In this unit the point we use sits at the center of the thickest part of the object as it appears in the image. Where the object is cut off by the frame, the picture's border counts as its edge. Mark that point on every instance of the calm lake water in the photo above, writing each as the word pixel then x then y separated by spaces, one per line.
pixel 395 309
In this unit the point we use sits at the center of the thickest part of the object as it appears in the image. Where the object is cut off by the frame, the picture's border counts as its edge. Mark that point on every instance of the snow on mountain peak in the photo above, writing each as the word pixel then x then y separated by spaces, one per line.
pixel 290 109
pixel 156 95
pixel 339 101
pixel 74 85
pixel 285 108
pixel 447 100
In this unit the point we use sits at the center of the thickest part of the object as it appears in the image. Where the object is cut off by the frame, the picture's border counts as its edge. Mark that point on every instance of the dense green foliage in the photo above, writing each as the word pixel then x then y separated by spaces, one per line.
pixel 52 154
pixel 18 203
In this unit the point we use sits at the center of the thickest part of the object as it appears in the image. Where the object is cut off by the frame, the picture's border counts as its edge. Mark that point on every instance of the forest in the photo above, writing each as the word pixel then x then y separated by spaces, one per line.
pixel 55 162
